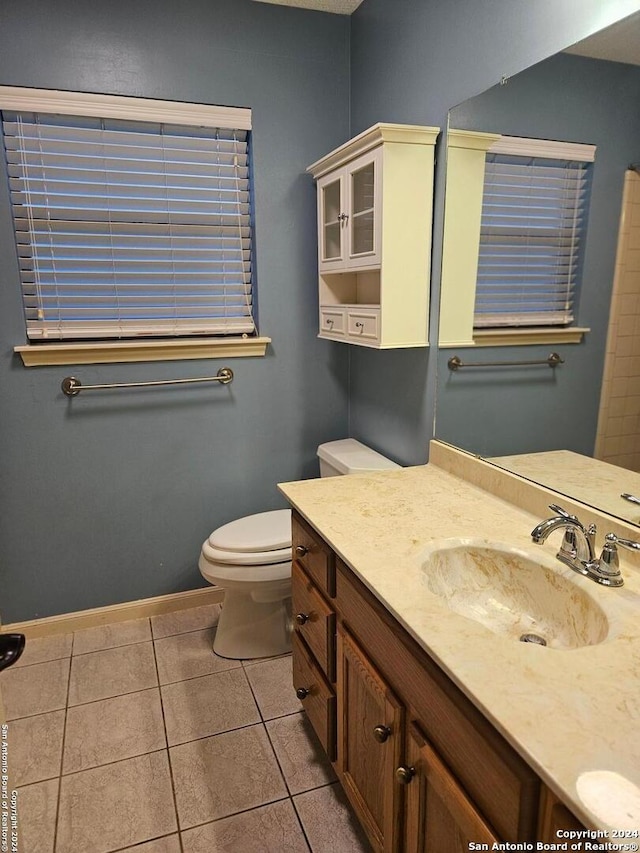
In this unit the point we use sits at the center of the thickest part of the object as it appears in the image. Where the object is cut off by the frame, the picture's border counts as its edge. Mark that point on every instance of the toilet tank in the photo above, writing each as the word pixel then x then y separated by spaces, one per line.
pixel 349 456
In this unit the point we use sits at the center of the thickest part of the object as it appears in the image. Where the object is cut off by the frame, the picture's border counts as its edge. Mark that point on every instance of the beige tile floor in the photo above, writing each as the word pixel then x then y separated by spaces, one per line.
pixel 136 737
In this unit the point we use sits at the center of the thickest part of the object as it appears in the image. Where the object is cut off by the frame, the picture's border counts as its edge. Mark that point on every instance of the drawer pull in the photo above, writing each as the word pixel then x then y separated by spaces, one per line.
pixel 301 550
pixel 381 733
pixel 302 618
pixel 405 774
pixel 302 693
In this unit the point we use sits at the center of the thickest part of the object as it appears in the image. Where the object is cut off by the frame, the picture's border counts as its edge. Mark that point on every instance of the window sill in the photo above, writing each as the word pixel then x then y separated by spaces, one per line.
pixel 35 355
pixel 522 337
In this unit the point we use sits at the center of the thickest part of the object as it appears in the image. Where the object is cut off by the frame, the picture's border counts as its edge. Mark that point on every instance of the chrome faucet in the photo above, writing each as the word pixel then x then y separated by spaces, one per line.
pixel 578 547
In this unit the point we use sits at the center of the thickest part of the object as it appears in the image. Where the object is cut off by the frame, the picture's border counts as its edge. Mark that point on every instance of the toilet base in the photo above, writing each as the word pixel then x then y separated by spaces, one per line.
pixel 252 629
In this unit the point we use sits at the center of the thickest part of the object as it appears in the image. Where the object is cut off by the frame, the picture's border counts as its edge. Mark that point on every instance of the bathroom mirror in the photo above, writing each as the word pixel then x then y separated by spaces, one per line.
pixel 586 95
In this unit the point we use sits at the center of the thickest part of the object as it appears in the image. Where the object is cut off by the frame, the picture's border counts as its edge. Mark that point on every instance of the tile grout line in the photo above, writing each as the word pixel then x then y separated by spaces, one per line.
pixel 164 748
pixel 290 797
pixel 273 749
pixel 241 812
pixel 284 778
pixel 64 738
pixel 130 692
pixel 299 819
pixel 140 844
pixel 166 740
pixel 291 794
pixel 301 825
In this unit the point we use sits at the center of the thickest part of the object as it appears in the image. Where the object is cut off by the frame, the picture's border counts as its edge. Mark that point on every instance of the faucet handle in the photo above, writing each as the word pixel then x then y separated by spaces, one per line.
pixel 608 566
pixel 631 544
pixel 589 532
pixel 564 514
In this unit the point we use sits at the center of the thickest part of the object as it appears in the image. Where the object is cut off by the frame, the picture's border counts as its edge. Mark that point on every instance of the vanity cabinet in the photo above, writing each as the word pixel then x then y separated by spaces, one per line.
pixel 423 769
pixel 375 199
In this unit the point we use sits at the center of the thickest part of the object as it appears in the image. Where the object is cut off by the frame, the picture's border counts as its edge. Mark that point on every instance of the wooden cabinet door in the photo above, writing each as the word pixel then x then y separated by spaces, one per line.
pixel 370 729
pixel 439 817
pixel 555 816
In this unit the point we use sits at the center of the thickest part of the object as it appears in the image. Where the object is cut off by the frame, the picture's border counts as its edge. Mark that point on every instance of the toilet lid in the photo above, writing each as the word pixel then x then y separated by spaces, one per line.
pixel 265 531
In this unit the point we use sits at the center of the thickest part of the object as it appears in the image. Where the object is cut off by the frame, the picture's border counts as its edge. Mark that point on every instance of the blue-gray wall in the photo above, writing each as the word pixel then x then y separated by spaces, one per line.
pixel 107 498
pixel 411 61
pixel 498 411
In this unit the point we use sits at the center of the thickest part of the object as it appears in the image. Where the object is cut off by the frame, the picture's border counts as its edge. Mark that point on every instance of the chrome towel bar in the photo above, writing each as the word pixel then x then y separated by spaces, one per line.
pixel 72 386
pixel 552 360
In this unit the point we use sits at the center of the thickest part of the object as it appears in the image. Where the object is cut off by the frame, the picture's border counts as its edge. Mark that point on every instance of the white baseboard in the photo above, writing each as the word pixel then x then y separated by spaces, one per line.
pixel 68 622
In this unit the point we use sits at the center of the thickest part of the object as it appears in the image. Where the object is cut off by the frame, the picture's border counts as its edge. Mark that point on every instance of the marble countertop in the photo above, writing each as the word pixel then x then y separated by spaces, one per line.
pixel 573 715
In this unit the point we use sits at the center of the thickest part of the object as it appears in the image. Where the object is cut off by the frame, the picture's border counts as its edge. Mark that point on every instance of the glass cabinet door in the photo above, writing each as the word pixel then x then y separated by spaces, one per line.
pixel 362 210
pixel 331 217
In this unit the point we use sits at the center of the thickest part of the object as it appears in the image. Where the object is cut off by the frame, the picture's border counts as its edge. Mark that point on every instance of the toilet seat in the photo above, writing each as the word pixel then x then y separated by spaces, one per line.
pixel 256 548
pixel 255 541
pixel 223 574
pixel 239 558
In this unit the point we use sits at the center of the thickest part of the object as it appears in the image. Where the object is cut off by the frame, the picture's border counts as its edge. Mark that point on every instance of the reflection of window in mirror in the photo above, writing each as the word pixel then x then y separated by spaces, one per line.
pixel 516 214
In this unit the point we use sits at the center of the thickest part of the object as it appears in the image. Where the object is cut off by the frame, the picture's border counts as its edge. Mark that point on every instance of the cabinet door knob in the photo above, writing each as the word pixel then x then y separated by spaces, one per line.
pixel 302 693
pixel 381 733
pixel 301 550
pixel 302 618
pixel 405 774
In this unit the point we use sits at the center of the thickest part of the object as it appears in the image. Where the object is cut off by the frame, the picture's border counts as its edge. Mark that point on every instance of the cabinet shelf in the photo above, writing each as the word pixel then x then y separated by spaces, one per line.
pixel 375 196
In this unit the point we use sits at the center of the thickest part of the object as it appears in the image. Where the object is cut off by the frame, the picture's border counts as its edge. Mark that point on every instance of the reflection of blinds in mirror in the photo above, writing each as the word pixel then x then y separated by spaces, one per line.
pixel 534 212
pixel 129 229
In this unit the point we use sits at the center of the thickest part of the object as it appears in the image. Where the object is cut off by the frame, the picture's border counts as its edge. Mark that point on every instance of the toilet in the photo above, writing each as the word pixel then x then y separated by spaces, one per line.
pixel 251 559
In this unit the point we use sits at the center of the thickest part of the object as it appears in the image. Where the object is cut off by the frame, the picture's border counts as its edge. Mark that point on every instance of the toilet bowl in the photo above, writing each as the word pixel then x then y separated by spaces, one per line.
pixel 250 558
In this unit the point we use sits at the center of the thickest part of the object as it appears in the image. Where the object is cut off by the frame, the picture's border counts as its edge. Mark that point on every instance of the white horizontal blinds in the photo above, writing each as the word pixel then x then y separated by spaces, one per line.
pixel 531 237
pixel 127 229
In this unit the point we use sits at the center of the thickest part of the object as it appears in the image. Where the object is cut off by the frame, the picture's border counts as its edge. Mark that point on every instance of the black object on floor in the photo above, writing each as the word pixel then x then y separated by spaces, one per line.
pixel 11 647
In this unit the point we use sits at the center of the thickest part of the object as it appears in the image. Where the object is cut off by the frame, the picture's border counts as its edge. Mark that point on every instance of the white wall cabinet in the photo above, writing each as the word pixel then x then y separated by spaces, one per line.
pixel 375 200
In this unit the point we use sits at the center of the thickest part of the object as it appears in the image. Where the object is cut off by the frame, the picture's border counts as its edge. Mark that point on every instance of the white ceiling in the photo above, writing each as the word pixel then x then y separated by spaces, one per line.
pixel 618 43
pixel 339 7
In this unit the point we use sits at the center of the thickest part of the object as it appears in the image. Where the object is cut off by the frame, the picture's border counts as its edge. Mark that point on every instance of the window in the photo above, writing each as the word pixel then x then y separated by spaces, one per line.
pixel 514 226
pixel 132 217
pixel 532 230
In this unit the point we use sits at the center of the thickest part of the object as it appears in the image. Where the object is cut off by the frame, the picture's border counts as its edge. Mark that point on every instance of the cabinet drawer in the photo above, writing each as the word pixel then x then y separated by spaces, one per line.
pixel 314 620
pixel 333 321
pixel 320 701
pixel 364 324
pixel 314 555
pixel 504 788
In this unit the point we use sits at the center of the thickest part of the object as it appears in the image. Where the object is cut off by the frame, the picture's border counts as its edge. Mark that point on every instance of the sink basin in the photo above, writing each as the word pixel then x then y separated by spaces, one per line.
pixel 514 594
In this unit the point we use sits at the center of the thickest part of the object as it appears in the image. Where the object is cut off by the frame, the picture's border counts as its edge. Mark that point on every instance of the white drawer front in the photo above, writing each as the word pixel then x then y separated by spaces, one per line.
pixel 332 322
pixel 364 324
